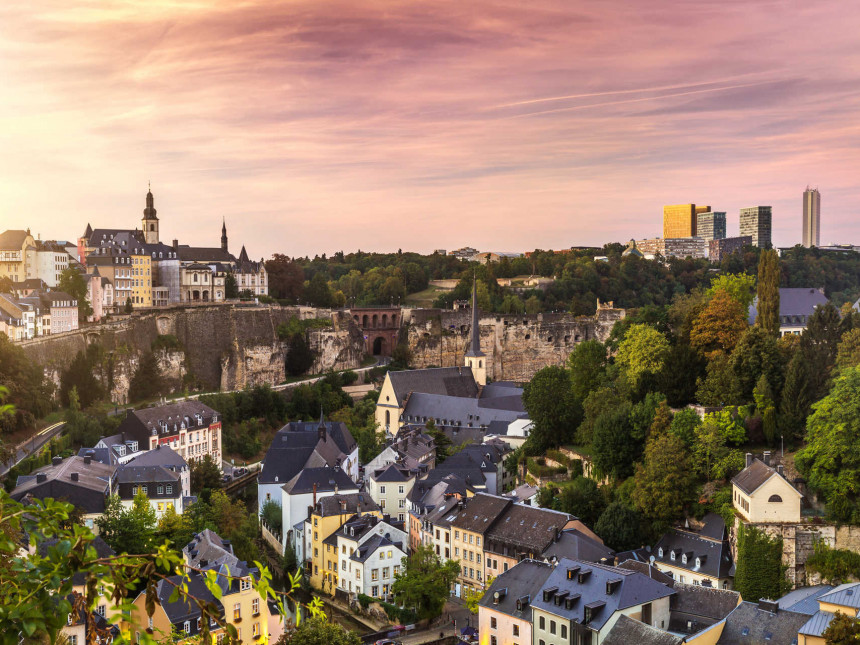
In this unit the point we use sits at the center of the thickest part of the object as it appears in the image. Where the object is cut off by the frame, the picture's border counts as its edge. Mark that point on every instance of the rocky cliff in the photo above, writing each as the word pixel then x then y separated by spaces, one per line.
pixel 226 347
pixel 516 346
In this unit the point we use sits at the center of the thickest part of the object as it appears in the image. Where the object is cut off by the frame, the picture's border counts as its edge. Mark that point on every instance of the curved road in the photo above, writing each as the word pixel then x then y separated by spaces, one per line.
pixel 32 444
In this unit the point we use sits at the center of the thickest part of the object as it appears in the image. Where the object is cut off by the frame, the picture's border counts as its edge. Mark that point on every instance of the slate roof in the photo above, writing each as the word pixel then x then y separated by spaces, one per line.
pixel 633 589
pixel 628 630
pixel 162 455
pixel 131 474
pixel 714 555
pixel 751 478
pixel 805 599
pixel 521 581
pixel 298 445
pixel 461 411
pixel 79 578
pixel 146 422
pixel 205 254
pixel 450 381
pixel 480 513
pixel 374 543
pixel 326 479
pixel 702 606
pixel 796 305
pixel 817 624
pixel 391 473
pixel 355 503
pixel 89 493
pixel 847 595
pixel 575 545
pixel 749 625
pixel 647 569
pixel 210 548
pixel 525 528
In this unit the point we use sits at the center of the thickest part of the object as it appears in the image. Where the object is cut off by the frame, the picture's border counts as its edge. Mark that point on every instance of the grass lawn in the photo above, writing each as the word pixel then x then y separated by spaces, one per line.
pixel 425 298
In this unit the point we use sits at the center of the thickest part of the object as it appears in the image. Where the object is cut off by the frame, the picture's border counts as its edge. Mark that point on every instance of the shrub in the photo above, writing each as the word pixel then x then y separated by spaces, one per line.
pixel 836 566
pixel 166 341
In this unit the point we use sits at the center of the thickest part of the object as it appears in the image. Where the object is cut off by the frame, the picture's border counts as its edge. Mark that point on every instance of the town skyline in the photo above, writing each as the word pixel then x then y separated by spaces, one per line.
pixel 420 126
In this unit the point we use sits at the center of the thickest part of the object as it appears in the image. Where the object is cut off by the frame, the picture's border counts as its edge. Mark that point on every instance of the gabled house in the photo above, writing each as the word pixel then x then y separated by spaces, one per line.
pixel 762 494
pixel 505 610
pixel 701 557
pixel 389 487
pixel 189 427
pixel 368 554
pixel 161 486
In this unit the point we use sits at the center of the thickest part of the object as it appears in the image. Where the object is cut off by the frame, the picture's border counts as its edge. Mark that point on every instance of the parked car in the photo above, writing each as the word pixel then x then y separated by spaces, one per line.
pixel 238 472
pixel 225 479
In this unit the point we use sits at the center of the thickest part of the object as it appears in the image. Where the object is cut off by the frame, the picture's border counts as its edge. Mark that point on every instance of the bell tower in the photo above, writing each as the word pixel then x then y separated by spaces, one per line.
pixel 224 235
pixel 149 223
pixel 475 358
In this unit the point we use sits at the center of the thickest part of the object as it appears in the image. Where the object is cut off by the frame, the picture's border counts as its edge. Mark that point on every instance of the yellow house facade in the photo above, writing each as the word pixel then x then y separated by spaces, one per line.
pixel 762 495
pixel 141 282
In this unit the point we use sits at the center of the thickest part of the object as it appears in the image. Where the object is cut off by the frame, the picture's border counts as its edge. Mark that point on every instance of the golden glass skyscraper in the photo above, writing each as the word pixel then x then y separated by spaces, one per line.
pixel 679 220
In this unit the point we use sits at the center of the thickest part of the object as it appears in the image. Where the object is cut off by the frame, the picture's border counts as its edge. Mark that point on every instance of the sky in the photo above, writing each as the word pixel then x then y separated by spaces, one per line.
pixel 314 126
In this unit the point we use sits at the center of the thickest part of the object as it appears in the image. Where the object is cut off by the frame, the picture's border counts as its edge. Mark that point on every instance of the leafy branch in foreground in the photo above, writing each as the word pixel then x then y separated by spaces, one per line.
pixel 37 593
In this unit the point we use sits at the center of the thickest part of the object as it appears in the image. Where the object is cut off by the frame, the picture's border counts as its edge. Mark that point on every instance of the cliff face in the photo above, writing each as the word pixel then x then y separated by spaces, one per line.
pixel 516 346
pixel 220 346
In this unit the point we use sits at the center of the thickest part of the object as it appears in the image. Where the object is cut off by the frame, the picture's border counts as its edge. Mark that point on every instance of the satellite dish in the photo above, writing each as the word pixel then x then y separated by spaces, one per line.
pixel 651 559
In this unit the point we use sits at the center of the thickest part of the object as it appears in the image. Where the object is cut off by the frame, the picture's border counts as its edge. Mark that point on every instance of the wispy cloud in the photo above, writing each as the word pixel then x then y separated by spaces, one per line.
pixel 316 126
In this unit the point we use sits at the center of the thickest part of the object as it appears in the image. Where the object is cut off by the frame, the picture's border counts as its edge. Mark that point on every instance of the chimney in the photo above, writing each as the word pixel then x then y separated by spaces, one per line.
pixel 175 244
pixel 749 459
pixel 41 478
pixel 770 606
pixel 56 461
pixel 75 477
pixel 766 457
pixel 780 470
pixel 315 495
pixel 87 460
pixel 343 505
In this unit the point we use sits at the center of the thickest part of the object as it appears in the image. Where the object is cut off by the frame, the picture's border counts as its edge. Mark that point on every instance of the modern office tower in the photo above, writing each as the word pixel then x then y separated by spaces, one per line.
pixel 711 226
pixel 811 217
pixel 756 222
pixel 680 220
pixel 718 249
pixel 703 209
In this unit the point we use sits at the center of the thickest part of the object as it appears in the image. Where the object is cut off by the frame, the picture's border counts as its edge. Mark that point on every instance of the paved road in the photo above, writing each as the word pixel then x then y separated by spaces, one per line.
pixel 32 445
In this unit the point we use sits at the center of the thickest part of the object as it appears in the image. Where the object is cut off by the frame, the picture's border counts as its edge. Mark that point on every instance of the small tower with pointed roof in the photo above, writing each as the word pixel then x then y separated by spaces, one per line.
pixel 475 358
pixel 224 234
pixel 149 223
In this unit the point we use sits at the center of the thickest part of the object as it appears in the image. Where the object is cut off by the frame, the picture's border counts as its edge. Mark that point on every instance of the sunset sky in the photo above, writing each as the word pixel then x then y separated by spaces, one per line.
pixel 316 126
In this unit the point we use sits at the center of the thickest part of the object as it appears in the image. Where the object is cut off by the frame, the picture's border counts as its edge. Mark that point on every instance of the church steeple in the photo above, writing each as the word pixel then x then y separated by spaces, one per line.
pixel 149 223
pixel 475 358
pixel 224 234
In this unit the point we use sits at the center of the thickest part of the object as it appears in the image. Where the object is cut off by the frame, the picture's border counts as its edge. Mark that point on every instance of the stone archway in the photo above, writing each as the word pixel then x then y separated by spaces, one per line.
pixel 379 346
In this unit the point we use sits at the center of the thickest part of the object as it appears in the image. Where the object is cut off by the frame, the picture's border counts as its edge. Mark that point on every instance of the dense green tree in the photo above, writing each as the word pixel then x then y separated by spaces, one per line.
pixel 82 429
pixel 81 375
pixel 720 325
pixel 587 365
pixel 620 527
pixel 681 373
pixel 318 292
pixel 709 447
pixel 739 286
pixel 643 352
pixel 643 415
pixel 424 582
pixel 730 421
pixel 129 530
pixel 719 387
pixel 768 292
pixel 175 529
pixel 842 630
pixel 286 278
pixel 580 497
pixel 73 283
pixel 759 571
pixel 848 350
pixel 830 461
pixel 553 407
pixel 146 382
pixel 28 391
pixel 300 357
pixel 603 399
pixel 231 287
pixel 615 448
pixel 664 482
pixel 766 408
pixel 819 344
pixel 684 425
pixel 272 515
pixel 205 474
pixel 796 400
pixel 757 353
pixel 319 631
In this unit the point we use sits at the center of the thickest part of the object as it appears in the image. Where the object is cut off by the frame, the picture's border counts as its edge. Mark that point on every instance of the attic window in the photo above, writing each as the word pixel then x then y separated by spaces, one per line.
pixel 698 563
pixel 684 558
pixel 774 498
pixel 672 555
pixel 660 551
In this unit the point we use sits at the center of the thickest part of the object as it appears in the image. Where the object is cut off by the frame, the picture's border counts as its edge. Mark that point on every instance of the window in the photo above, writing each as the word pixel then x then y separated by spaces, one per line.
pixel 660 551
pixel 170 489
pixel 244 584
pixel 73 640
pixel 144 489
pixel 198 624
pixel 672 556
pixel 382 555
pixel 542 624
pixel 470 537
pixel 401 489
pixel 493 624
pixel 563 630
pixel 396 569
pixel 374 591
pixel 774 499
pixel 101 610
pixel 255 606
pixel 374 574
pixel 358 574
pixel 160 506
pixel 456 535
pixel 237 611
pixel 552 627
pixel 493 640
pixel 161 490
pixel 402 503
pixel 256 629
pixel 382 490
pixel 134 490
pixel 384 572
pixel 516 630
pixel 478 541
pixel 479 558
pixel 187 627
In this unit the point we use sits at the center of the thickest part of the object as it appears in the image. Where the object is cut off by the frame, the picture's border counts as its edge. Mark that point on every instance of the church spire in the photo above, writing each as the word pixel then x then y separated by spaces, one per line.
pixel 475 332
pixel 149 211
pixel 224 234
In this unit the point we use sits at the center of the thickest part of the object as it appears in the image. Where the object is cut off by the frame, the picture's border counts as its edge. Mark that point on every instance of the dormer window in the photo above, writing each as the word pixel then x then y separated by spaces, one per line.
pixel 698 563
pixel 660 551
pixel 672 555
pixel 684 559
